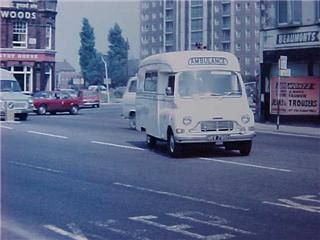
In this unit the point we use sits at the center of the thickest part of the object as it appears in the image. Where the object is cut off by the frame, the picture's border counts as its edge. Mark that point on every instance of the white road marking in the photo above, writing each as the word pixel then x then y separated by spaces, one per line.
pixel 213 221
pixel 180 196
pixel 48 134
pixel 117 145
pixel 76 233
pixel 181 228
pixel 295 205
pixel 289 134
pixel 1 126
pixel 35 167
pixel 246 164
pixel 108 225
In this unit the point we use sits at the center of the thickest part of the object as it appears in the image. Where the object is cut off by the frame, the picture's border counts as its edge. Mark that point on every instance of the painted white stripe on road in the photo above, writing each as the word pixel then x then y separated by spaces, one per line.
pixel 6 127
pixel 35 167
pixel 290 134
pixel 180 196
pixel 48 134
pixel 73 235
pixel 117 145
pixel 246 164
pixel 221 223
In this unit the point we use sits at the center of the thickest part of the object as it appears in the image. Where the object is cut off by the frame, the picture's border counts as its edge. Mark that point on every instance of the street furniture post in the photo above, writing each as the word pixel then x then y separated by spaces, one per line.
pixel 9 111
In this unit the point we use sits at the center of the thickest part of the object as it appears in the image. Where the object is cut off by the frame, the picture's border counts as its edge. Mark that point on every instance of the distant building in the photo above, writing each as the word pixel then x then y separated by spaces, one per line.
pixel 27 44
pixel 233 26
pixel 67 77
pixel 290 28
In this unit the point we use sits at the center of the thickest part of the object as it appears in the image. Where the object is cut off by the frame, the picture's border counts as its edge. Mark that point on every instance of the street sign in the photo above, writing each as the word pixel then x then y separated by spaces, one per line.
pixel 283 62
pixel 285 72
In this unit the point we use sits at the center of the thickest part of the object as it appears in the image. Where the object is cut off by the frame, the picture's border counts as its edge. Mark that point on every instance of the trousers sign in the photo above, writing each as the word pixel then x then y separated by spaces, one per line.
pixel 298 95
pixel 299 37
pixel 18 14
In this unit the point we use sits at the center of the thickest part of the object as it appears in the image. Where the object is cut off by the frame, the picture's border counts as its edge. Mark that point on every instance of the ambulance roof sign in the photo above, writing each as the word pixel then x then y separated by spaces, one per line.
pixel 208 61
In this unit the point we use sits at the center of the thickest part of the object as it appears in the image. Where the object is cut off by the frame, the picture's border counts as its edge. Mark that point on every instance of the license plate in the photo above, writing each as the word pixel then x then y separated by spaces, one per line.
pixel 218 138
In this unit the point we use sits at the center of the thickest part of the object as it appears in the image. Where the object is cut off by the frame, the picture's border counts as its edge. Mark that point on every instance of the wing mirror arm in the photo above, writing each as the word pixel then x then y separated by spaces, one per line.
pixel 169 91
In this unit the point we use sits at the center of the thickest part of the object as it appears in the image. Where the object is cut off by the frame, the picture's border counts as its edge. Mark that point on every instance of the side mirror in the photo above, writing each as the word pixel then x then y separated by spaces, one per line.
pixel 169 91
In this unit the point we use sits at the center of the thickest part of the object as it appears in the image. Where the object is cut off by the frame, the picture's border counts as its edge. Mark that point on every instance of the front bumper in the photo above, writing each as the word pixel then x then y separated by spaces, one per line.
pixel 214 137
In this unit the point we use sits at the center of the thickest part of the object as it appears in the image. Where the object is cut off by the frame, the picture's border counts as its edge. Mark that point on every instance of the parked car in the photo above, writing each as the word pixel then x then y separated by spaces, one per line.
pixel 55 101
pixel 129 102
pixel 89 98
pixel 11 95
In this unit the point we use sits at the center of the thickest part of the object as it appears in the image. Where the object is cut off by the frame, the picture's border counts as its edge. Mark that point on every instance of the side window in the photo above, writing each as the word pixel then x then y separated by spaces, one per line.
pixel 133 86
pixel 151 82
pixel 171 81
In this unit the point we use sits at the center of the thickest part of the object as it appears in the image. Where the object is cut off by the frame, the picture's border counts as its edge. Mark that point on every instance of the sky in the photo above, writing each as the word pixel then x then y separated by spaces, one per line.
pixel 102 15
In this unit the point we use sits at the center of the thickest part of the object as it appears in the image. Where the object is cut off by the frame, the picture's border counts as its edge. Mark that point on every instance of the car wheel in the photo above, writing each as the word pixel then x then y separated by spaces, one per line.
pixel 23 117
pixel 42 110
pixel 132 121
pixel 245 148
pixel 174 148
pixel 98 105
pixel 53 113
pixel 151 141
pixel 74 110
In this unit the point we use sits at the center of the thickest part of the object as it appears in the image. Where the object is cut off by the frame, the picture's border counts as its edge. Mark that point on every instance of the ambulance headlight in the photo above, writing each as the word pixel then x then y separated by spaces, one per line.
pixel 187 120
pixel 245 119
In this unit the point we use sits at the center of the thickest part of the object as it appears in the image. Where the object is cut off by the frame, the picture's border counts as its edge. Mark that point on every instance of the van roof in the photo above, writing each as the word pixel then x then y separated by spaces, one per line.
pixel 190 60
pixel 6 75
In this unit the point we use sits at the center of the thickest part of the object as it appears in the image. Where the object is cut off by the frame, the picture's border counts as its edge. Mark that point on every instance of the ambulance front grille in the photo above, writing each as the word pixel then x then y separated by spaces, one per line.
pixel 207 126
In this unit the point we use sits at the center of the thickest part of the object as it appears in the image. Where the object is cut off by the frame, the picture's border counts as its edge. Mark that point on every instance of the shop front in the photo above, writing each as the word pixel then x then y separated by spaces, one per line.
pixel 297 99
pixel 34 69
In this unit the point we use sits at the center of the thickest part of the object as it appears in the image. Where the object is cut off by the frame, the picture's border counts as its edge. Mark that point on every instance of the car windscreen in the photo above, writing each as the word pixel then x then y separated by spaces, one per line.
pixel 208 83
pixel 9 86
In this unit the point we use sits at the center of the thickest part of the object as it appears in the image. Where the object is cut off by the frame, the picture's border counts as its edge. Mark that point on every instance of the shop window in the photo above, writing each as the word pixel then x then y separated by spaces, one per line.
pixel 318 10
pixel 48 36
pixel 23 74
pixel 19 33
pixel 48 76
pixel 289 12
pixel 196 12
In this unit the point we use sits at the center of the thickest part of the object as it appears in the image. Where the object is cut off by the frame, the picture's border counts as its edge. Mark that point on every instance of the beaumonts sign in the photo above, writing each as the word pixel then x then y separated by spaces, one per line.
pixel 18 14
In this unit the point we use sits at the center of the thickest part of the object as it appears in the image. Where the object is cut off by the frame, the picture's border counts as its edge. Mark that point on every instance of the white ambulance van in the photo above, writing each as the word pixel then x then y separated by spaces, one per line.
pixel 194 97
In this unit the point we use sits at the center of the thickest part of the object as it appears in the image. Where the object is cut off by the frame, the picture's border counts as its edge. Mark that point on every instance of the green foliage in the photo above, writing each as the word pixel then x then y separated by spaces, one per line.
pixel 90 61
pixel 117 57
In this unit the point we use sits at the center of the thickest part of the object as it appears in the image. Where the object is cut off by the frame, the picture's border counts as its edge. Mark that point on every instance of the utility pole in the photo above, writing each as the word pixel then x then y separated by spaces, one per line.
pixel 107 79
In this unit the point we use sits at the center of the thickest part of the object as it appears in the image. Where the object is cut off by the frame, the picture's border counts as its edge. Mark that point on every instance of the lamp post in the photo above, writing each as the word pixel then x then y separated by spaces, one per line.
pixel 106 70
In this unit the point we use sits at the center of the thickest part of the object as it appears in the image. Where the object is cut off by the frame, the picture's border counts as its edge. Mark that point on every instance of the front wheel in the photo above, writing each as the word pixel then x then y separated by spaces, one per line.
pixel 132 121
pixel 151 141
pixel 245 148
pixel 42 110
pixel 174 148
pixel 74 110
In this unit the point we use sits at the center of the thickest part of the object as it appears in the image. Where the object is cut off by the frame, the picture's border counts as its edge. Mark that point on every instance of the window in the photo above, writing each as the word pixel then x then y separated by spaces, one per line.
pixel 238 46
pixel 48 77
pixel 48 36
pixel 196 24
pixel 248 34
pixel 151 82
pixel 19 35
pixel 247 20
pixel 238 34
pixel 238 20
pixel 169 26
pixel 247 6
pixel 226 47
pixel 247 61
pixel 196 12
pixel 171 81
pixel 216 22
pixel 289 12
pixel 196 37
pixel 196 3
pixel 248 47
pixel 226 8
pixel 23 74
pixel 238 6
pixel 226 22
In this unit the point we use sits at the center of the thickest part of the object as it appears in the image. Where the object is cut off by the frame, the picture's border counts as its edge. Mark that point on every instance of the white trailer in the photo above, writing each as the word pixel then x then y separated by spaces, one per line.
pixel 193 97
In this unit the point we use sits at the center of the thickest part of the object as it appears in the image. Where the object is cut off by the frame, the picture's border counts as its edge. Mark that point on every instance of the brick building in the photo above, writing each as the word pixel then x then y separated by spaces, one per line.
pixel 27 46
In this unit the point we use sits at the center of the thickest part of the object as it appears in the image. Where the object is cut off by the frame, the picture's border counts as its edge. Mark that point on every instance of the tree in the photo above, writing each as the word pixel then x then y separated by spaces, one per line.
pixel 90 61
pixel 117 57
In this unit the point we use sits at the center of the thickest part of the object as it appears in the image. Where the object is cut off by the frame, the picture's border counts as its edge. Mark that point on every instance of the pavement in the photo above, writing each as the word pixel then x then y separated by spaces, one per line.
pixel 306 131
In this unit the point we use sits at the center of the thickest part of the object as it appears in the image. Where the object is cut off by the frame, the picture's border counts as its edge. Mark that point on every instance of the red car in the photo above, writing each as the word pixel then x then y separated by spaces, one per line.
pixel 55 101
pixel 89 98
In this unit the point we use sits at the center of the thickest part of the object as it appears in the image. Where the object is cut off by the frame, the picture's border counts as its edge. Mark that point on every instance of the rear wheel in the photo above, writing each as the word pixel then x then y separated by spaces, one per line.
pixel 23 117
pixel 74 110
pixel 245 148
pixel 174 148
pixel 42 110
pixel 151 141
pixel 132 120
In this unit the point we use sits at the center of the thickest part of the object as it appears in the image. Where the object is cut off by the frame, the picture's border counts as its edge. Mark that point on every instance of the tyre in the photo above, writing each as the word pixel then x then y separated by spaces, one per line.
pixel 98 105
pixel 151 141
pixel 132 121
pixel 174 148
pixel 53 113
pixel 245 148
pixel 23 116
pixel 42 110
pixel 74 110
